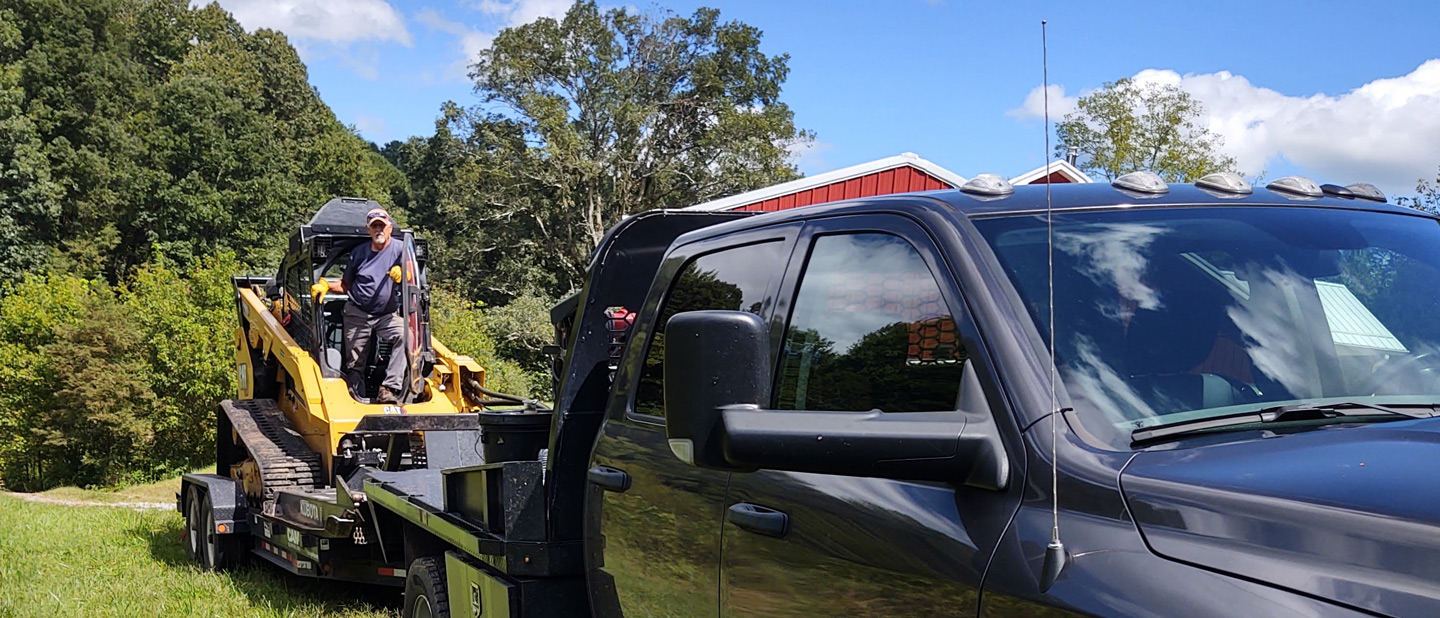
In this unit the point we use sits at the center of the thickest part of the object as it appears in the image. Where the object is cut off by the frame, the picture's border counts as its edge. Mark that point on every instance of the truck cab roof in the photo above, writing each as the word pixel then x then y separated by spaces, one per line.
pixel 1031 199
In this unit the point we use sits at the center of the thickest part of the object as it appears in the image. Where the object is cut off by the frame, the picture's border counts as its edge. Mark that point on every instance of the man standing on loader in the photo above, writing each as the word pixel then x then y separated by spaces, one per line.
pixel 371 278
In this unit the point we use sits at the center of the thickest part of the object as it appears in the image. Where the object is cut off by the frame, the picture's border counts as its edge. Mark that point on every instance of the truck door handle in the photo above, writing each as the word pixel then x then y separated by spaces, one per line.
pixel 759 519
pixel 609 479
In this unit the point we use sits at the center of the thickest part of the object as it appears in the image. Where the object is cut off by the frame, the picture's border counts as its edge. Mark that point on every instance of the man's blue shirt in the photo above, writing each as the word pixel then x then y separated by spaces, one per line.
pixel 367 278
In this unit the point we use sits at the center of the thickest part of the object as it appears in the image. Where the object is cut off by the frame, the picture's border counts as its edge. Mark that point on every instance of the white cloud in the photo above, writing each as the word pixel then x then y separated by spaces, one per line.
pixel 470 41
pixel 1386 132
pixel 374 128
pixel 347 31
pixel 504 14
pixel 810 156
pixel 1034 105
pixel 331 21
pixel 520 12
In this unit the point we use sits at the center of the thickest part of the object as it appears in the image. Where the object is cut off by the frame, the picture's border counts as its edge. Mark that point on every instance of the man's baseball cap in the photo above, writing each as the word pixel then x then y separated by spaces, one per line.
pixel 376 214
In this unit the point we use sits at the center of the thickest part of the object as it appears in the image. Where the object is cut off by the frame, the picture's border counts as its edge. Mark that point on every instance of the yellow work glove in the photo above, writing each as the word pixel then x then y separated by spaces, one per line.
pixel 319 290
pixel 395 273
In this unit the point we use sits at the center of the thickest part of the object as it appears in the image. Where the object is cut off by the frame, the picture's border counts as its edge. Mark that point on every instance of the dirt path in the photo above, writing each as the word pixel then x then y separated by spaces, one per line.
pixel 66 502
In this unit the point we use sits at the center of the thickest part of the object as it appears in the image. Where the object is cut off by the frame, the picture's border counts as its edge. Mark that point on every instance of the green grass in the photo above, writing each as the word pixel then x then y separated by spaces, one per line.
pixel 159 491
pixel 106 561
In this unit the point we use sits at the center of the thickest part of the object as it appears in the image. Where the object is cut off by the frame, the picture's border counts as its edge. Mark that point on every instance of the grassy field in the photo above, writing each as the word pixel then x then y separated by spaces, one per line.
pixel 158 492
pixel 111 561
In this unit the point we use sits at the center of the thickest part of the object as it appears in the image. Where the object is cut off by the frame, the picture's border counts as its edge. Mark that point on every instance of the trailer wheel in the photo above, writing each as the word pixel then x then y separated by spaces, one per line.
pixel 425 593
pixel 193 518
pixel 210 550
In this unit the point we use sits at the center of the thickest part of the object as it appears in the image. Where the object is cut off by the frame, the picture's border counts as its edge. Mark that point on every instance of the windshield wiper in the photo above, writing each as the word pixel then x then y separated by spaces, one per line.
pixel 1273 414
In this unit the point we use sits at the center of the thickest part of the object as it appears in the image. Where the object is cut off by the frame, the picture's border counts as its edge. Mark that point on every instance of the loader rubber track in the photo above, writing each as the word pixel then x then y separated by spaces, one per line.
pixel 284 459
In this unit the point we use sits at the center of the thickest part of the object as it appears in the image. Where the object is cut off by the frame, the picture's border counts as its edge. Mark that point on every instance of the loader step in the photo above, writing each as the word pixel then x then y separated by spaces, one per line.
pixel 282 455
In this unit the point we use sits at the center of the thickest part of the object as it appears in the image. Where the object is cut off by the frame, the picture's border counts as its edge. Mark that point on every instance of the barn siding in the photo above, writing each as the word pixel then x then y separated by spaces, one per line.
pixel 1054 177
pixel 898 180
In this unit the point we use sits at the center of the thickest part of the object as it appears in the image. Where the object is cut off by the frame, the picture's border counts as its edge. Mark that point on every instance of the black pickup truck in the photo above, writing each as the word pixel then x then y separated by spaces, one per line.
pixel 844 410
pixel 848 410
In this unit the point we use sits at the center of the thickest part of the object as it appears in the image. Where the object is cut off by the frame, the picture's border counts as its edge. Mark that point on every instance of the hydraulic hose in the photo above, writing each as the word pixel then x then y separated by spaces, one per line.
pixel 496 398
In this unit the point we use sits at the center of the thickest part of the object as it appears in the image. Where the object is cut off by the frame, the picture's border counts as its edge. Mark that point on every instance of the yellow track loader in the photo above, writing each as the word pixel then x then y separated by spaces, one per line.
pixel 297 423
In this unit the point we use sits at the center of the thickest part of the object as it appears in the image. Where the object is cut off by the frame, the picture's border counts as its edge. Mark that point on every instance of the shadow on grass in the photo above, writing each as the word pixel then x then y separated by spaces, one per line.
pixel 267 585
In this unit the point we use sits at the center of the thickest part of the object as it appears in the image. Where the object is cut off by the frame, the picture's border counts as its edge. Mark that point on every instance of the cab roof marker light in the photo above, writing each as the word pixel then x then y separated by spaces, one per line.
pixel 1367 191
pixel 1225 182
pixel 1142 182
pixel 1299 186
pixel 987 184
pixel 1336 190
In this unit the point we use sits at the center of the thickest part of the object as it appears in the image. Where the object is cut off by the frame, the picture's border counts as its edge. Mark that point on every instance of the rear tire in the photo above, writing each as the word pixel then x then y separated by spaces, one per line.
pixel 193 519
pixel 205 547
pixel 425 592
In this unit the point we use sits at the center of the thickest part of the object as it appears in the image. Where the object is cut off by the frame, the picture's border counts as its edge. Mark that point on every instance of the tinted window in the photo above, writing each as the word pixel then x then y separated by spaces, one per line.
pixel 869 331
pixel 733 279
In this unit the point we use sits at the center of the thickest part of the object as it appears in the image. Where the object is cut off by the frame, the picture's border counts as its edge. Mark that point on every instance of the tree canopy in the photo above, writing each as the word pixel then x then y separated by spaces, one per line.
pixel 1128 126
pixel 131 129
pixel 584 120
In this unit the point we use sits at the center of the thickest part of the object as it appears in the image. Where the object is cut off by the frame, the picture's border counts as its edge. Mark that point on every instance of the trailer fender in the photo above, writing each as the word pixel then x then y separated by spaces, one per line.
pixel 227 500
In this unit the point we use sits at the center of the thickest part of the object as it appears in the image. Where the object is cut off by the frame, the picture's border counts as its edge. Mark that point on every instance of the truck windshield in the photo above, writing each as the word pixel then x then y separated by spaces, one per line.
pixel 1164 315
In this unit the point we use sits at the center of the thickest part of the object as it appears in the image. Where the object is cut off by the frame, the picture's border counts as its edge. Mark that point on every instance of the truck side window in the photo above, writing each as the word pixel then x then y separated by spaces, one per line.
pixel 869 331
pixel 732 279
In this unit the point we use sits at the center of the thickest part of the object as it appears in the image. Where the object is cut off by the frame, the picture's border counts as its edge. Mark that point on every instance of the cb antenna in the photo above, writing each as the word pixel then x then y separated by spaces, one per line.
pixel 1055 556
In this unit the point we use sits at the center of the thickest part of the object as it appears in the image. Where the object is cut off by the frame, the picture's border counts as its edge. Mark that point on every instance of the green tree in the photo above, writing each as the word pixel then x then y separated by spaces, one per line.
pixel 29 196
pixel 1127 126
pixel 101 385
pixel 131 129
pixel 584 120
pixel 1427 195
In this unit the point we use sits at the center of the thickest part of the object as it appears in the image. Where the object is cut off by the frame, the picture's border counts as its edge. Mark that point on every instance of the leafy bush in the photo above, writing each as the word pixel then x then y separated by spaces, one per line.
pixel 33 316
pixel 464 327
pixel 102 386
pixel 520 329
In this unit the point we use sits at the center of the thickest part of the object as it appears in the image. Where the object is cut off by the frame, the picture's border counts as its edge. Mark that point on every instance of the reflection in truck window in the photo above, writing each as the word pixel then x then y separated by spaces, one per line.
pixel 1165 315
pixel 734 280
pixel 869 331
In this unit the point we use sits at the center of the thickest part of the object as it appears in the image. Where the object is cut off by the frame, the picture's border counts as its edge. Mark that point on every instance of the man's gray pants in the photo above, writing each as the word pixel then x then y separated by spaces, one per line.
pixel 359 328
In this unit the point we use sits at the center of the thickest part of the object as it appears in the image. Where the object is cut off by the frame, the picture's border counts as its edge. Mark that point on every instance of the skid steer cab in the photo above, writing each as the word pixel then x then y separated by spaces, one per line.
pixel 322 249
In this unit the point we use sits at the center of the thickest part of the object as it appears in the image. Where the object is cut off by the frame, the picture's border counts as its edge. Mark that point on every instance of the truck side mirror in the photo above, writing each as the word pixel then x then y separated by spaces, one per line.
pixel 713 360
pixel 717 386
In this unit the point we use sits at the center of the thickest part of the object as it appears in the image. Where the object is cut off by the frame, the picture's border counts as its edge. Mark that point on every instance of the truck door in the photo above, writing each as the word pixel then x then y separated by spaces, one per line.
pixel 869 318
pixel 660 518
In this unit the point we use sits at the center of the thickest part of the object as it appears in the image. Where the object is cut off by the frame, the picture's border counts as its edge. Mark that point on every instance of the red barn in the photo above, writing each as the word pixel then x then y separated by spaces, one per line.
pixel 902 173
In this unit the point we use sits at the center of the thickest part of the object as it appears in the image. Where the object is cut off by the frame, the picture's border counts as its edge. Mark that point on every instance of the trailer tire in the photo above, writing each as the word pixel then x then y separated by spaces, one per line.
pixel 207 548
pixel 425 592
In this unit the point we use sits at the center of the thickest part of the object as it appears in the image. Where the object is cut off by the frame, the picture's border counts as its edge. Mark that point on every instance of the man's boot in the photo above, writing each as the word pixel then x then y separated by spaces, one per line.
pixel 387 396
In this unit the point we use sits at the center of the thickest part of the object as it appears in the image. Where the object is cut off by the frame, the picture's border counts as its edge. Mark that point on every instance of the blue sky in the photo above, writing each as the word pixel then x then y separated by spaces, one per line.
pixel 1337 90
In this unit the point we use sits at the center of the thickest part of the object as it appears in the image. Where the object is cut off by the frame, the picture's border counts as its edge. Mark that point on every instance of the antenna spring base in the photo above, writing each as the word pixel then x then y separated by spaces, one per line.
pixel 1055 560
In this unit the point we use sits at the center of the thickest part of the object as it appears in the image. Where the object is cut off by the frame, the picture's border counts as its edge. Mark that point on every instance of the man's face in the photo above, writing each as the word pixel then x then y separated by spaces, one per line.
pixel 379 231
